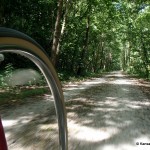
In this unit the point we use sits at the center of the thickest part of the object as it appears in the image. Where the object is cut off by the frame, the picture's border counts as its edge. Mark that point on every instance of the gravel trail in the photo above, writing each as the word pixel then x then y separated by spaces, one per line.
pixel 107 113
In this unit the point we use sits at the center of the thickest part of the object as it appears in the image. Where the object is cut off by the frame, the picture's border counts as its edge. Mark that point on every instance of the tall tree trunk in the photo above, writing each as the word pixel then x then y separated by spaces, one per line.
pixel 81 67
pixel 57 33
pixel 145 56
pixel 102 53
pixel 62 29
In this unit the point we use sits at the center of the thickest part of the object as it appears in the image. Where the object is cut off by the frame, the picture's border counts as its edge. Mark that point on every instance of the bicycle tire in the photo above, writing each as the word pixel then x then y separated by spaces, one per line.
pixel 16 42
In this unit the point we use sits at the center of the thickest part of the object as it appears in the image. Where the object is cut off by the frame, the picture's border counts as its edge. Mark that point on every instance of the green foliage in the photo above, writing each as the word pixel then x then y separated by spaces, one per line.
pixel 6 74
pixel 10 73
pixel 98 35
pixel 17 95
pixel 134 29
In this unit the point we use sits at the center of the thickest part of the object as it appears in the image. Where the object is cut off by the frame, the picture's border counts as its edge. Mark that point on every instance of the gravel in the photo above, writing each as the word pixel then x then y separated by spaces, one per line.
pixel 106 113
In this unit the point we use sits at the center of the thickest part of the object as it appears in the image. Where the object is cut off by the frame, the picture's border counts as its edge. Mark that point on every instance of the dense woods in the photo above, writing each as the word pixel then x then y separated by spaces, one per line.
pixel 84 36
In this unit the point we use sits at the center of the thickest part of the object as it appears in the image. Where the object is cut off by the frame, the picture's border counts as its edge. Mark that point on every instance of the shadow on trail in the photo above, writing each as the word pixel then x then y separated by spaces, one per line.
pixel 35 128
pixel 40 133
pixel 108 116
pixel 108 113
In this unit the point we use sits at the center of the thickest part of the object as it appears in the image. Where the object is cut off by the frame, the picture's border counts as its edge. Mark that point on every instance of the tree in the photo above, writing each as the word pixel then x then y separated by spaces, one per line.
pixel 87 36
pixel 57 33
pixel 135 36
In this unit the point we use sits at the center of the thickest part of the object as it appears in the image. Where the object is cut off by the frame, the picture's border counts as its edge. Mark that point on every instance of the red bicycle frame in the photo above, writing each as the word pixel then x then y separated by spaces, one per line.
pixel 3 143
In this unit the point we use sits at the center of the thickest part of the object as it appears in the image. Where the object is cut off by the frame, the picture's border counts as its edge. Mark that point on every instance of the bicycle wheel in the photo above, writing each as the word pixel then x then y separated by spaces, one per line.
pixel 16 42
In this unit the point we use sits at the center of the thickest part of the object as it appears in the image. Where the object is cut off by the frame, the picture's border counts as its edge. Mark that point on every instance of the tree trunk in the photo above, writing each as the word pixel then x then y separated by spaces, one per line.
pixel 57 33
pixel 81 67
pixel 62 29
pixel 145 56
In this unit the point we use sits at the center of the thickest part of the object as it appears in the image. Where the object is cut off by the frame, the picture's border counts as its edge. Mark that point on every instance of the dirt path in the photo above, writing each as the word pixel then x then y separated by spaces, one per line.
pixel 108 113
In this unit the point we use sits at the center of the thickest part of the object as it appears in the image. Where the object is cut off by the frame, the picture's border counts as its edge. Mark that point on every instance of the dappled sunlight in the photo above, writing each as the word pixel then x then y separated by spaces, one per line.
pixel 32 125
pixel 18 121
pixel 143 139
pixel 74 87
pixel 121 81
pixel 107 115
pixel 133 106
pixel 126 90
pixel 115 74
pixel 125 146
pixel 9 123
pixel 114 79
pixel 113 123
pixel 94 82
pixel 142 102
pixel 136 144
pixel 89 134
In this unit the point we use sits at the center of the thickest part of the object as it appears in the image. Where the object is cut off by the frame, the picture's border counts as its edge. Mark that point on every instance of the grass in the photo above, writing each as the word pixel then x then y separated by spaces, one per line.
pixel 19 94
pixel 66 77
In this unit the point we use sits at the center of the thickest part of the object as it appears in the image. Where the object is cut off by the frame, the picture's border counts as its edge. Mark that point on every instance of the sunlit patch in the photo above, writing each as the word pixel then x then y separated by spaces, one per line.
pixel 17 121
pixel 89 134
pixel 87 121
pixel 126 90
pixel 134 106
pixel 115 74
pixel 74 88
pixel 111 98
pixel 96 81
pixel 48 127
pixel 71 115
pixel 110 105
pixel 9 123
pixel 136 144
pixel 25 119
pixel 106 109
pixel 121 146
pixel 122 81
pixel 125 123
pixel 143 139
